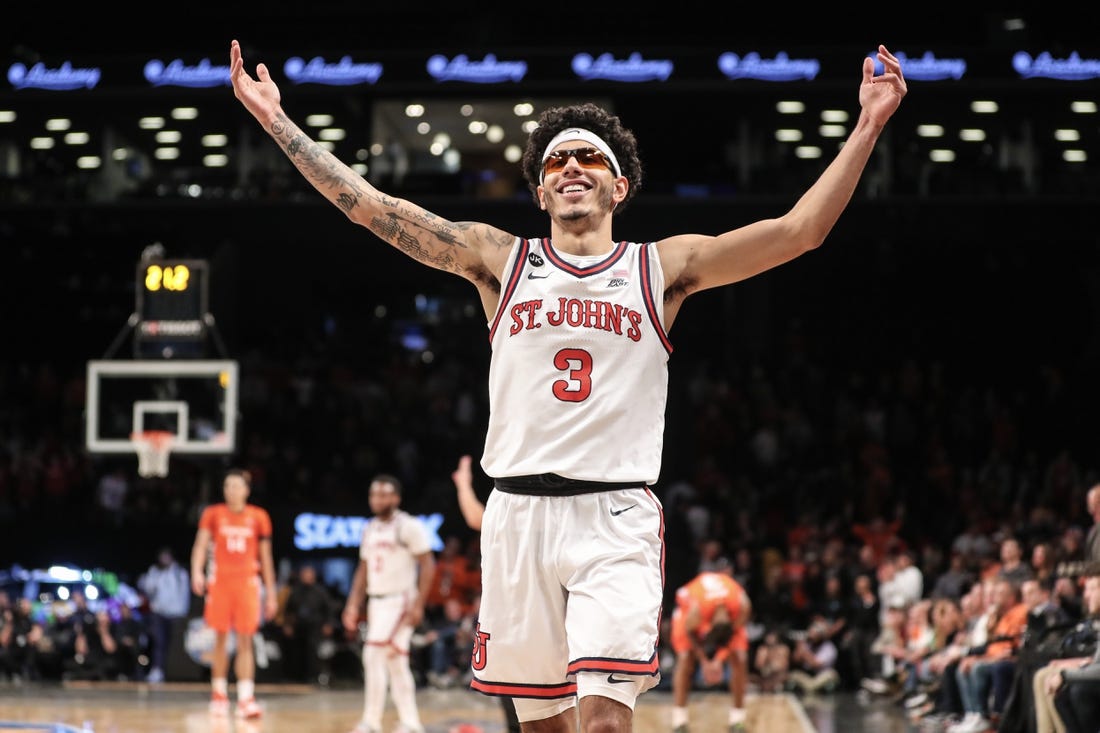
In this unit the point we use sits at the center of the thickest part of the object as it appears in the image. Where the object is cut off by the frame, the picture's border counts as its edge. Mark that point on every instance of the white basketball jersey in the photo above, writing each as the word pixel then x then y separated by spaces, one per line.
pixel 390 550
pixel 579 372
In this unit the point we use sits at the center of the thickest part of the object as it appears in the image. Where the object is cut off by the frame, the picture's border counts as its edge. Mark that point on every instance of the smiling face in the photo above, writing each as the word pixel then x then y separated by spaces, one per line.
pixel 578 183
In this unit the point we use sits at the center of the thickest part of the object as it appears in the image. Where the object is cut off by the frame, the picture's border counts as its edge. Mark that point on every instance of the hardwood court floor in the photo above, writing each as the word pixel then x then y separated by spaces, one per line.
pixel 181 708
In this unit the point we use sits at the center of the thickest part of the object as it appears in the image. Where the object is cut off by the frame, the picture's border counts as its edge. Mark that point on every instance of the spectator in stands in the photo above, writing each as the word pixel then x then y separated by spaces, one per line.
pixel 1013 567
pixel 861 629
pixel 976 671
pixel 1044 612
pixel 974 633
pixel 772 663
pixel 454 579
pixel 908 578
pixel 1068 596
pixel 32 649
pixel 955 580
pixel 813 661
pixel 95 651
pixel 309 616
pixel 888 649
pixel 1077 697
pixel 1051 637
pixel 832 606
pixel 924 672
pixel 1092 539
pixel 130 632
pixel 1043 562
pixel 1052 684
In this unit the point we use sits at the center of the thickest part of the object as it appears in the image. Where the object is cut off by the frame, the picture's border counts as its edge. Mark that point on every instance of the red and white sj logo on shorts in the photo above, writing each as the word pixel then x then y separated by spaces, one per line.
pixel 480 654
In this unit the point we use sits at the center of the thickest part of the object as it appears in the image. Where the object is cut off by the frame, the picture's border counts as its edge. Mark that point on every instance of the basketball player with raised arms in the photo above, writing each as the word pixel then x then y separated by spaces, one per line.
pixel 229 578
pixel 578 325
pixel 394 574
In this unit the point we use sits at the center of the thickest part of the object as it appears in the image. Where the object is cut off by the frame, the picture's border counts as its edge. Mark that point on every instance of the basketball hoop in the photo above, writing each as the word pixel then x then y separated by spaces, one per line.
pixel 153 448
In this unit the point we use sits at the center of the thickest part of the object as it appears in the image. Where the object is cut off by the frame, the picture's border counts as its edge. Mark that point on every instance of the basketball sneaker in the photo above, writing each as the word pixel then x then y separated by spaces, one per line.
pixel 219 705
pixel 249 709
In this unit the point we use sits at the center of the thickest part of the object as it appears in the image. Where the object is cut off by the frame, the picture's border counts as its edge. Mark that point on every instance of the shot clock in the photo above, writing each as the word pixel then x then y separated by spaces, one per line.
pixel 172 303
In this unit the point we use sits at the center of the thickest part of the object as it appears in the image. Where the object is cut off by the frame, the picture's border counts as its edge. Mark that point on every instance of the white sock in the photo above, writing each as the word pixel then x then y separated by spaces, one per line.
pixel 679 717
pixel 246 689
pixel 737 715
pixel 220 686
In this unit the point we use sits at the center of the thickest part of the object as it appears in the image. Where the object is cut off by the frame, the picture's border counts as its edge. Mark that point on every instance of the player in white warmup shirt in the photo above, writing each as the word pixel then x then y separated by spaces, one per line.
pixel 395 570
pixel 572 535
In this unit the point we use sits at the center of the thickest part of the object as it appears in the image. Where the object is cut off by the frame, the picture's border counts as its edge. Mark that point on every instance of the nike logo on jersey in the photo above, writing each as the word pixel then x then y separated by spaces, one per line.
pixel 615 513
pixel 533 276
pixel 611 677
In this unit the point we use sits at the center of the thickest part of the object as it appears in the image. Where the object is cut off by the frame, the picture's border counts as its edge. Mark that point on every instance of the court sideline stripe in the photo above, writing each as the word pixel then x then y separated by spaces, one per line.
pixel 799 712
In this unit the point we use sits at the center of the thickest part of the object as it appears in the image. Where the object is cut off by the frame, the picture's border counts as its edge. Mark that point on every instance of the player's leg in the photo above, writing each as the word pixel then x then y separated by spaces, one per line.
pixel 684 672
pixel 216 615
pixel 546 716
pixel 601 707
pixel 376 680
pixel 739 675
pixel 402 684
pixel 246 622
pixel 384 622
pixel 520 645
pixel 219 658
pixel 610 550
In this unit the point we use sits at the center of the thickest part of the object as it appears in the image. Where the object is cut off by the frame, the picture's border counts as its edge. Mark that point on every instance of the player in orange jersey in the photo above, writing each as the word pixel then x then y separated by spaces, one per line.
pixel 239 535
pixel 708 628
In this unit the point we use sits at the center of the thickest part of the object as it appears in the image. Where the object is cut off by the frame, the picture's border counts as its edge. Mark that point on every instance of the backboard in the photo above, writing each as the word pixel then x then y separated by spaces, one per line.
pixel 195 400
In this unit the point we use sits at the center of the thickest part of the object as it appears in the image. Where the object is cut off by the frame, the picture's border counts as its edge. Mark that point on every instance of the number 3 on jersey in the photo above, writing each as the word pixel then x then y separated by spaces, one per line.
pixel 578 364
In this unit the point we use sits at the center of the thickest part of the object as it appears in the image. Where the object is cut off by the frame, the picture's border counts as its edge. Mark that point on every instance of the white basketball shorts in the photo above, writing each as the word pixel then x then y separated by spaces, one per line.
pixel 569 584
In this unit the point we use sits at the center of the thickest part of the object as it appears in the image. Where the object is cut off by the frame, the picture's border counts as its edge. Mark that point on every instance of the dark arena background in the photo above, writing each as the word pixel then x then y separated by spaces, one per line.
pixel 925 383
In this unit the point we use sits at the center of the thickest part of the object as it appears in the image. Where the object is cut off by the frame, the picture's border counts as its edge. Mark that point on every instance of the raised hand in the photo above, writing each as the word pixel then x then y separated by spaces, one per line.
pixel 261 97
pixel 463 476
pixel 880 95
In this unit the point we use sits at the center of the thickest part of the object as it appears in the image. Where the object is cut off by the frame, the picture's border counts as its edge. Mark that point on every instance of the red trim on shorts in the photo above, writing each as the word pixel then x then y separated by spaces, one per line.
pixel 513 689
pixel 602 664
pixel 661 531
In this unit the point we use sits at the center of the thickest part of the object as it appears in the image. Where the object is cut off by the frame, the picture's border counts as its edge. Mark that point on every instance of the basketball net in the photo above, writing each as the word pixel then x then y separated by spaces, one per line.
pixel 153 448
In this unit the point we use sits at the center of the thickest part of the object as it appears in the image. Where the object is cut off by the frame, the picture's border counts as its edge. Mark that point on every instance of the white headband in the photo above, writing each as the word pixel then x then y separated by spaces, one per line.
pixel 579 133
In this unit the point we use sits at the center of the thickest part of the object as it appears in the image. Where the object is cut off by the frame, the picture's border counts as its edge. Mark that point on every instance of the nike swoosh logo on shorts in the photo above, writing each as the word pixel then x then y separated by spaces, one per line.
pixel 533 276
pixel 611 677
pixel 615 513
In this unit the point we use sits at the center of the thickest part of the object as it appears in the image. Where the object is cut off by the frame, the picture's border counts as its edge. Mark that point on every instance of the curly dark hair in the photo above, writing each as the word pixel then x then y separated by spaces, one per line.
pixel 591 117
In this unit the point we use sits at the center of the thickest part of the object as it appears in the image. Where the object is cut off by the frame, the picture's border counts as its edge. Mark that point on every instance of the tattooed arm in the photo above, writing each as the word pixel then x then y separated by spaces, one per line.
pixel 475 251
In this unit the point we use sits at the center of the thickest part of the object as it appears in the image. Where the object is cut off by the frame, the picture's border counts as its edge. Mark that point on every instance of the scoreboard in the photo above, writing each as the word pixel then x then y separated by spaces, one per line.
pixel 172 303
